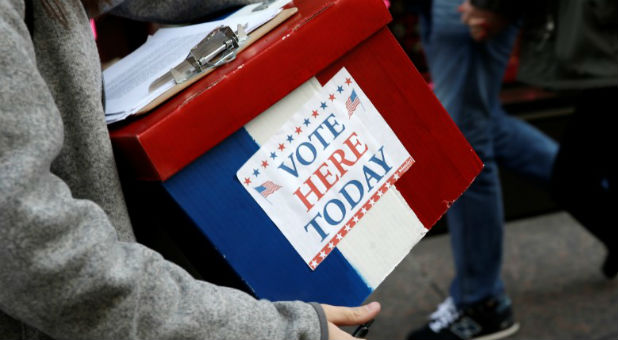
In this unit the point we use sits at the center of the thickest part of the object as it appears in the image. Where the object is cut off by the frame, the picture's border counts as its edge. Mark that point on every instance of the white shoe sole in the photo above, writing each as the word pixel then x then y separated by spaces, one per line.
pixel 499 335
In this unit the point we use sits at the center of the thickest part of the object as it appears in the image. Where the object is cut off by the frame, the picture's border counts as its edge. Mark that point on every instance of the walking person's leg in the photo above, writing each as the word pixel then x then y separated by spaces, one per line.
pixel 467 77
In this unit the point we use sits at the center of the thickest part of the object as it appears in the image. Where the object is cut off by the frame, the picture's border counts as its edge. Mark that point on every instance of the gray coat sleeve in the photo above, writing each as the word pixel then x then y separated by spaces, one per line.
pixel 63 269
pixel 172 11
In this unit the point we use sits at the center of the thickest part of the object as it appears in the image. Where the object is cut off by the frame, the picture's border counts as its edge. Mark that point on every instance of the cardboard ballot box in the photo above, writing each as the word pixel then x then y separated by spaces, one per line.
pixel 192 147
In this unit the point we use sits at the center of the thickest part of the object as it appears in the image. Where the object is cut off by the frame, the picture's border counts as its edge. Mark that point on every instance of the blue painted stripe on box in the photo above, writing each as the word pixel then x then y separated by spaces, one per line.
pixel 208 191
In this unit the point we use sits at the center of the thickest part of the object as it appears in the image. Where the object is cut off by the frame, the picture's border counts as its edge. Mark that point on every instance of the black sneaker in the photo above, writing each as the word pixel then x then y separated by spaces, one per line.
pixel 489 319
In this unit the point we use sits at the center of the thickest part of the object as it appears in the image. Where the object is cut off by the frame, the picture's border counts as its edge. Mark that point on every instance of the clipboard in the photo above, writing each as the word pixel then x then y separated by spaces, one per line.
pixel 250 39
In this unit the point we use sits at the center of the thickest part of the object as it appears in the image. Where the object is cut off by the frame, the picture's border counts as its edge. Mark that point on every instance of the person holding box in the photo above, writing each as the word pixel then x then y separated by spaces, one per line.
pixel 70 265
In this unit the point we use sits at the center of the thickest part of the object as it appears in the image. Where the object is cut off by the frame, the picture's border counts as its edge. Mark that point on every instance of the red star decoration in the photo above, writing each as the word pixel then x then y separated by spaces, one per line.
pixel 331 97
pixel 247 180
pixel 348 81
pixel 264 164
pixel 281 147
pixel 298 130
pixel 315 114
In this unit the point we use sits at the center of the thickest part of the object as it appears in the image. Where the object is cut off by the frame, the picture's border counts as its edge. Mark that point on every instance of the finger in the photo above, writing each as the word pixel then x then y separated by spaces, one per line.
pixel 478 29
pixel 466 10
pixel 465 16
pixel 478 33
pixel 478 22
pixel 347 316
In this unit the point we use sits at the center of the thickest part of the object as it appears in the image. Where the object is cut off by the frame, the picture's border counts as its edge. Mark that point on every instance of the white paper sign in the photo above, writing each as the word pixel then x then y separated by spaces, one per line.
pixel 325 168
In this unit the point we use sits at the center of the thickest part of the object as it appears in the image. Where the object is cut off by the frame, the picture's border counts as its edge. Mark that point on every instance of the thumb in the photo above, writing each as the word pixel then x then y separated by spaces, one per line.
pixel 347 316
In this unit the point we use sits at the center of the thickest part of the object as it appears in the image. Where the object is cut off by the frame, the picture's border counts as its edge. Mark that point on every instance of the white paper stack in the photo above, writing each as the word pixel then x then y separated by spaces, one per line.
pixel 127 82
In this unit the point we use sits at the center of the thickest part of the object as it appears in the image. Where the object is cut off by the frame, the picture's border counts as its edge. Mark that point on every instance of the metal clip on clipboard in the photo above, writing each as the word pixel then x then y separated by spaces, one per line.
pixel 217 48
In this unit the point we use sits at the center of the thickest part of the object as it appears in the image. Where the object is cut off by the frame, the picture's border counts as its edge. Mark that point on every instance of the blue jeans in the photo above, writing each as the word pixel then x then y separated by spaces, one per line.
pixel 467 78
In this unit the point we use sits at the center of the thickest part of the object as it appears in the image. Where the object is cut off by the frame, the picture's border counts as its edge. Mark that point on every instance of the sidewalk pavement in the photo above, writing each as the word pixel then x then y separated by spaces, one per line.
pixel 551 271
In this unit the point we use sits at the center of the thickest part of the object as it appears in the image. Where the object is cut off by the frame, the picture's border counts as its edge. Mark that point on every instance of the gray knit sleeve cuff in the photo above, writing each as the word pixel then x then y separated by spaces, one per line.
pixel 322 319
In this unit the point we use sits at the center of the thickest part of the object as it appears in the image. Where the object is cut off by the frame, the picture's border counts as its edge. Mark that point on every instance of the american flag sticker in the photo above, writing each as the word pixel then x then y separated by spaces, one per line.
pixel 352 103
pixel 325 168
pixel 267 188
